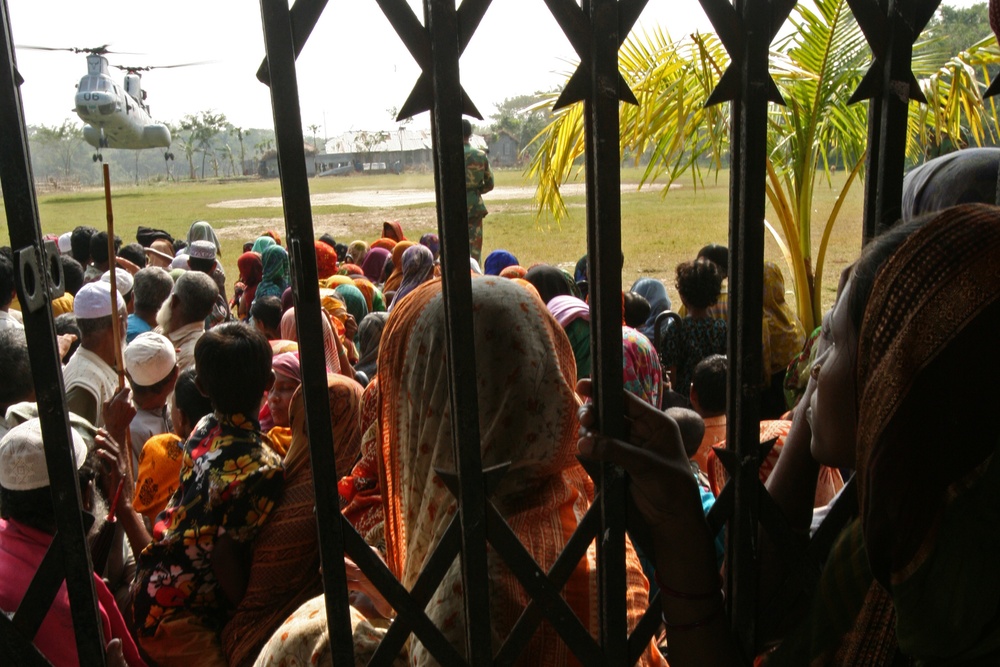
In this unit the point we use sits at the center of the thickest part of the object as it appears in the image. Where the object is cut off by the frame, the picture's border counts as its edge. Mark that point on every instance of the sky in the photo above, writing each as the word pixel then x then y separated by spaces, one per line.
pixel 351 72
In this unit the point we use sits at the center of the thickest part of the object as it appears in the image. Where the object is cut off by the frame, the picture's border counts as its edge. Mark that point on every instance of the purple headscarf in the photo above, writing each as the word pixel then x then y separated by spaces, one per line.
pixel 418 268
pixel 374 262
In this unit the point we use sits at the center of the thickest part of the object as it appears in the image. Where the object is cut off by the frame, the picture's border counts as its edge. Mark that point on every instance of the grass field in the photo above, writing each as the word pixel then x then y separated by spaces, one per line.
pixel 658 231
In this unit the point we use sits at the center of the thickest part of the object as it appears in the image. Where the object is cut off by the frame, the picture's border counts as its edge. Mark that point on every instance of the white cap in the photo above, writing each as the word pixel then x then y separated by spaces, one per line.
pixel 123 279
pixel 202 250
pixel 149 358
pixel 94 300
pixel 65 243
pixel 180 262
pixel 22 457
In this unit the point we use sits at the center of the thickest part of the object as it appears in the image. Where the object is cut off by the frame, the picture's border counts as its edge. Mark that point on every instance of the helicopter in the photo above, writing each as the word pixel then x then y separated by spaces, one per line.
pixel 115 116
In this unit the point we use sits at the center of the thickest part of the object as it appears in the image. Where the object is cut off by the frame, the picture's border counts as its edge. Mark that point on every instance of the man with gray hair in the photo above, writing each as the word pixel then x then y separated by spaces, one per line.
pixel 182 316
pixel 152 287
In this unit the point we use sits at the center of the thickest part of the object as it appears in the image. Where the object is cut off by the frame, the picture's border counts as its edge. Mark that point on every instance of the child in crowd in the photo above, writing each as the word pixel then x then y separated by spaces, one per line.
pixel 158 472
pixel 194 571
pixel 151 367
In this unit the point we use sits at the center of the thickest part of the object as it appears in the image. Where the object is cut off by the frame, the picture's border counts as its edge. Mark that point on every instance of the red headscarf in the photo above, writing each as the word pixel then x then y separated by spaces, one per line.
pixel 326 260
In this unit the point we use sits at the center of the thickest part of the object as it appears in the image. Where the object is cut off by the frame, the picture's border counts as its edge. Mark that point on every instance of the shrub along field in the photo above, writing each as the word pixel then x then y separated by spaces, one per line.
pixel 658 231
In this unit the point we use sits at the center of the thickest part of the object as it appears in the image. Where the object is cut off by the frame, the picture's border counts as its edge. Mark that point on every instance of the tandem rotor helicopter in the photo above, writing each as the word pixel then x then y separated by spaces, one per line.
pixel 115 116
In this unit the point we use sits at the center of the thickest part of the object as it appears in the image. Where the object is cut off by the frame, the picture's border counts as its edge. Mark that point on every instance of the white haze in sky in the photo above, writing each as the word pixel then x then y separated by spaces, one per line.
pixel 352 71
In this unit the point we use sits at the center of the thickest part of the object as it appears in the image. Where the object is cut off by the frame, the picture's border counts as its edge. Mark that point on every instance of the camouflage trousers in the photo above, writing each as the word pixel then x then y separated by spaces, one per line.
pixel 476 238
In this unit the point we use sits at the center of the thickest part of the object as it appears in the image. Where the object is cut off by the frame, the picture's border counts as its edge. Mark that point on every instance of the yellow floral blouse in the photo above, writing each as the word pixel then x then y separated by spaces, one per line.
pixel 229 480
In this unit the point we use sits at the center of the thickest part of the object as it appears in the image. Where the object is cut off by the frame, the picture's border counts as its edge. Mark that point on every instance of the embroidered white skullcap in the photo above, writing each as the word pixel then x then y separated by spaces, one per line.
pixel 94 300
pixel 201 250
pixel 123 280
pixel 22 457
pixel 65 243
pixel 149 358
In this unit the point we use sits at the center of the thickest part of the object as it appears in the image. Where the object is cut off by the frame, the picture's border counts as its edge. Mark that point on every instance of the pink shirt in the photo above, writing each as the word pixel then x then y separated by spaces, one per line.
pixel 21 551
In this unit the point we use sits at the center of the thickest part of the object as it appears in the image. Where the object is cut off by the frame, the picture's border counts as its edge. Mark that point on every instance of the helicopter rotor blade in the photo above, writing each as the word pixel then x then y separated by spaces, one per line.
pixel 146 68
pixel 95 50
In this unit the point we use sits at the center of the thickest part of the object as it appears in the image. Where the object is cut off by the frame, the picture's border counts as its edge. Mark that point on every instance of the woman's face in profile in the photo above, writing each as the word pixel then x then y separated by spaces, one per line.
pixel 832 411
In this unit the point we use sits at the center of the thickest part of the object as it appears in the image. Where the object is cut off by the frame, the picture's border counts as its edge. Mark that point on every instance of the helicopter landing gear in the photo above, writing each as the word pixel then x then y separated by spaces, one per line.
pixel 98 157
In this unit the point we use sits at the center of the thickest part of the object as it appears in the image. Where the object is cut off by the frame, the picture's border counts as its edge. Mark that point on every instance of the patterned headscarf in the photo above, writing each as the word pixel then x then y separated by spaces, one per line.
pixel 275 268
pixel 202 231
pixel 374 263
pixel 418 268
pixel 354 300
pixel 643 375
pixel 351 270
pixel 927 367
pixel 369 337
pixel 432 242
pixel 497 261
pixel 527 415
pixel 261 244
pixel 514 271
pixel 395 279
pixel 289 331
pixel 326 260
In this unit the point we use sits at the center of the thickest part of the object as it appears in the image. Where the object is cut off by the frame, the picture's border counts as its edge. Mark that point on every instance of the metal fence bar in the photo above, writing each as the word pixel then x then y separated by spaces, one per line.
pixel 278 41
pixel 746 243
pixel 441 19
pixel 604 251
pixel 38 276
pixel 891 27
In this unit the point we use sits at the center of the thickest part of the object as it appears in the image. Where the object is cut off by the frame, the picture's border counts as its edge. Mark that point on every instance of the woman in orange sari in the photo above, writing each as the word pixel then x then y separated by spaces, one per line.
pixel 527 415
pixel 395 279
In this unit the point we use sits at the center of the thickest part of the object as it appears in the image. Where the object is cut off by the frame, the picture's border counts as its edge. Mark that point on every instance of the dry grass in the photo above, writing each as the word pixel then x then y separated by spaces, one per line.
pixel 658 231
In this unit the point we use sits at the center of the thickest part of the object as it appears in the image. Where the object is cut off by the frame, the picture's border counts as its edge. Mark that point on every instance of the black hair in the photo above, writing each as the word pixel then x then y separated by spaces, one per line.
pixel 699 283
pixel 248 246
pixel 709 382
pixel 99 247
pixel 179 244
pixel 341 249
pixel 234 367
pixel 188 399
pixel 466 128
pixel 203 265
pixel 329 240
pixel 15 367
pixel 870 263
pixel 66 324
pixel 719 254
pixel 79 244
pixel 387 270
pixel 267 310
pixel 691 426
pixel 6 281
pixel 134 253
pixel 72 274
pixel 636 309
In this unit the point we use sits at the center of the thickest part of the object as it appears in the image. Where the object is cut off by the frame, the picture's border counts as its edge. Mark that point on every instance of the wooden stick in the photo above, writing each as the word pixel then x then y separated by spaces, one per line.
pixel 115 319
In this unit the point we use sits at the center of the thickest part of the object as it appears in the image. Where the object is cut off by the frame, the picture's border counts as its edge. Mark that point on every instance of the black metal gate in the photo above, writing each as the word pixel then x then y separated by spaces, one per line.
pixel 596 30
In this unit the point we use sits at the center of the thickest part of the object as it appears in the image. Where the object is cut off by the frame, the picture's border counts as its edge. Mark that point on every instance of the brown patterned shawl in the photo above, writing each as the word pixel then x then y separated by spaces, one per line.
pixel 284 572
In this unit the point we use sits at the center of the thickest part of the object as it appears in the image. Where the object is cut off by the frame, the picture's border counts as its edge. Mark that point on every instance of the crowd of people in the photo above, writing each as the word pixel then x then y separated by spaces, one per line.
pixel 198 448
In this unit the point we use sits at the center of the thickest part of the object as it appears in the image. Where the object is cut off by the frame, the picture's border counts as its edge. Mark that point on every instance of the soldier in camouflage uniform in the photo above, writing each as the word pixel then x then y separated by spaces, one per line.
pixel 478 181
